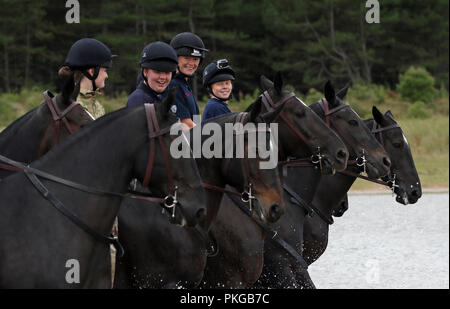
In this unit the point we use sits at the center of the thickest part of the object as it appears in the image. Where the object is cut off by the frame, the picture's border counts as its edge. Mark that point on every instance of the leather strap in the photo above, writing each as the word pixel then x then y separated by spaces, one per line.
pixel 270 106
pixel 310 208
pixel 108 240
pixel 273 235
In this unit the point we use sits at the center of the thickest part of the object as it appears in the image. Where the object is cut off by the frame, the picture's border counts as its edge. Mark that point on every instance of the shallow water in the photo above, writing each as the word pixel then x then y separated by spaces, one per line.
pixel 379 243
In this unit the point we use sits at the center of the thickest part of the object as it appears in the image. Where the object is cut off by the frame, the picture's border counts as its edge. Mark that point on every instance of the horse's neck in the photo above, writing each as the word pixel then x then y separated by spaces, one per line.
pixel 304 181
pixel 21 140
pixel 331 190
pixel 102 155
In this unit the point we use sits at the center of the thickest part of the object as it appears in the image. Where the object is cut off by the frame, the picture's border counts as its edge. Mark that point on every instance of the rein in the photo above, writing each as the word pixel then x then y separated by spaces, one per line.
pixel 32 174
pixel 271 233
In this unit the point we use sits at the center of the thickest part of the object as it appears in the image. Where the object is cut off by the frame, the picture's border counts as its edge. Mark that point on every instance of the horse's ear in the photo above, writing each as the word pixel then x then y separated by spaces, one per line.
pixel 330 95
pixel 278 83
pixel 377 115
pixel 166 105
pixel 271 116
pixel 343 92
pixel 389 114
pixel 253 114
pixel 265 83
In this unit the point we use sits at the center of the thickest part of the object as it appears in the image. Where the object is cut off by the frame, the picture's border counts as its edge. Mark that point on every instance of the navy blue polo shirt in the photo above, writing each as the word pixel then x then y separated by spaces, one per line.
pixel 144 94
pixel 184 100
pixel 214 108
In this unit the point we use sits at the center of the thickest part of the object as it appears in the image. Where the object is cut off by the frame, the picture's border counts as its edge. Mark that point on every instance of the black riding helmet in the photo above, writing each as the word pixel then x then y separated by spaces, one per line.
pixel 188 44
pixel 89 53
pixel 217 71
pixel 159 56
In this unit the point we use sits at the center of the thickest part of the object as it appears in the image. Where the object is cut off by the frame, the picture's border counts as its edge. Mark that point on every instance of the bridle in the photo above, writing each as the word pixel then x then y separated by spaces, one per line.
pixel 316 158
pixel 154 131
pixel 390 179
pixel 169 201
pixel 246 196
pixel 359 161
pixel 57 115
pixel 377 129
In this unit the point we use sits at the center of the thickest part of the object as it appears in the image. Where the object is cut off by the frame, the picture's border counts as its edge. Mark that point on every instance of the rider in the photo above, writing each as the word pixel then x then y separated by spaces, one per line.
pixel 190 51
pixel 92 58
pixel 158 61
pixel 218 78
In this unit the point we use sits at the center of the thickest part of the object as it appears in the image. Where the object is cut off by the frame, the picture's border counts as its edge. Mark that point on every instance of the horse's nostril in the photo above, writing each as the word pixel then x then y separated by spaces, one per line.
pixel 387 161
pixel 341 154
pixel 275 212
pixel 201 214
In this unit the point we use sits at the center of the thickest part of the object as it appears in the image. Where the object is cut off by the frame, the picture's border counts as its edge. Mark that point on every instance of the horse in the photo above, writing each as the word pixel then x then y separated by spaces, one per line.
pixel 35 133
pixel 38 242
pixel 241 238
pixel 160 255
pixel 281 269
pixel 403 180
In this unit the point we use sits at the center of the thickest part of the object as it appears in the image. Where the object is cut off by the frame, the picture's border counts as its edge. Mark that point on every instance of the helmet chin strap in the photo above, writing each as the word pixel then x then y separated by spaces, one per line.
pixel 92 77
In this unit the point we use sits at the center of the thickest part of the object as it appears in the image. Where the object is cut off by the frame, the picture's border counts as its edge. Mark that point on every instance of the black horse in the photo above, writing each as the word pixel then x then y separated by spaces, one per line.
pixel 403 180
pixel 37 241
pixel 281 269
pixel 35 133
pixel 241 239
pixel 161 255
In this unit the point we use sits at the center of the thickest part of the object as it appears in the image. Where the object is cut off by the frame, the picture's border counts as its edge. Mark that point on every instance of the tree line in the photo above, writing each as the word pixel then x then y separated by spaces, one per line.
pixel 310 41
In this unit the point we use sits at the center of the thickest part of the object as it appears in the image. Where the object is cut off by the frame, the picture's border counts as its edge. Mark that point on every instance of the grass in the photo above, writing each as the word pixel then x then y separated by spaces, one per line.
pixel 428 138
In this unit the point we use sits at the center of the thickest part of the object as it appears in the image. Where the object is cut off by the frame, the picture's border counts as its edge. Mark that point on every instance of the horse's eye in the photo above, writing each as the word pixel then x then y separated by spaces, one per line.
pixel 397 144
pixel 353 123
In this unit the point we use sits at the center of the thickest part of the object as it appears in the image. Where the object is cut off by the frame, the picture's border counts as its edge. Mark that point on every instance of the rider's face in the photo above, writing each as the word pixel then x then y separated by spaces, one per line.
pixel 102 76
pixel 157 80
pixel 188 65
pixel 222 89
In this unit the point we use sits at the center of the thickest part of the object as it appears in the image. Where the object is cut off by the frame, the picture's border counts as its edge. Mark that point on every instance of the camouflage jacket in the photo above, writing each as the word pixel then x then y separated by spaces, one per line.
pixel 88 99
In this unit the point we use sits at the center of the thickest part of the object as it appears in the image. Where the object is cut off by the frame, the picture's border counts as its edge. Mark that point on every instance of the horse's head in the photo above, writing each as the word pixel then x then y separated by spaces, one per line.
pixel 250 163
pixel 362 145
pixel 403 174
pixel 302 132
pixel 175 178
